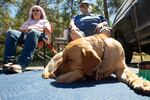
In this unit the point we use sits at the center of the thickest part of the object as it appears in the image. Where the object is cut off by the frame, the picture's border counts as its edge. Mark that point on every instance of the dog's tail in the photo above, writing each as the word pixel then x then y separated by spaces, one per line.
pixel 135 82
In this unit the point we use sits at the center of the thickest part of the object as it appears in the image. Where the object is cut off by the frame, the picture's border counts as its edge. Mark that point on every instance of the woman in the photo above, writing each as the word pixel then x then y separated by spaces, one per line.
pixel 29 34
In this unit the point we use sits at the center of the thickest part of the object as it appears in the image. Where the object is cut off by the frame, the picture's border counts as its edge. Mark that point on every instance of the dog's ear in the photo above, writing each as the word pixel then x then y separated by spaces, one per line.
pixel 90 60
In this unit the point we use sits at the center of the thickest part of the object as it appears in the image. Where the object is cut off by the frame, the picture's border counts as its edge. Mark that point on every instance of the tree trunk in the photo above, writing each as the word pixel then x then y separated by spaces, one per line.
pixel 106 10
pixel 38 2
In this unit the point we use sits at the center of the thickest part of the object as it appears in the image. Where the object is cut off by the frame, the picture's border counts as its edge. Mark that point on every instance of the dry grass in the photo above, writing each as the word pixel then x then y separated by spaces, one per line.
pixel 137 58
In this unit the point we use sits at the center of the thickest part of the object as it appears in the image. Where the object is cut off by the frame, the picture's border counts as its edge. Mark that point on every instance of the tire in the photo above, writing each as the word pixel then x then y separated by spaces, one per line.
pixel 127 49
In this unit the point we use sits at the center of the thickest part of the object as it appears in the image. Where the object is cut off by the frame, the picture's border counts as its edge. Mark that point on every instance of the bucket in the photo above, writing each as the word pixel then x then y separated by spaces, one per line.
pixel 144 70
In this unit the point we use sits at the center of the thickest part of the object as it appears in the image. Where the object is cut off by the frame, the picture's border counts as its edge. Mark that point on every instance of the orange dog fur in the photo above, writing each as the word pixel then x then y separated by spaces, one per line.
pixel 96 57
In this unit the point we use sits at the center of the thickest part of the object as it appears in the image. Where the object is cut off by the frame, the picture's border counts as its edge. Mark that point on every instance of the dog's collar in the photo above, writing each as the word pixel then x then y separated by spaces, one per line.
pixel 100 43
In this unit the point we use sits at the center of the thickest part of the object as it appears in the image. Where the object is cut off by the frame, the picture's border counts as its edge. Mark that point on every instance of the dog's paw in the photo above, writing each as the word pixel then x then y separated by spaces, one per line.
pixel 142 86
pixel 146 86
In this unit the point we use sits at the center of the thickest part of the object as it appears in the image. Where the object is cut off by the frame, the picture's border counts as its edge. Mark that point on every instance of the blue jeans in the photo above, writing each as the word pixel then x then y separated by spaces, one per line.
pixel 30 41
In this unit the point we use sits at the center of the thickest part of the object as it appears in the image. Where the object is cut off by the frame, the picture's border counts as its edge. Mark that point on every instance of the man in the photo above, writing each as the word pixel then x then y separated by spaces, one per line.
pixel 86 24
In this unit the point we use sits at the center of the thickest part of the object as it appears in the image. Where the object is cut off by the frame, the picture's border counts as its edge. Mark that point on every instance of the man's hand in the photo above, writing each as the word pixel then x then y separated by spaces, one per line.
pixel 98 27
pixel 74 29
pixel 101 26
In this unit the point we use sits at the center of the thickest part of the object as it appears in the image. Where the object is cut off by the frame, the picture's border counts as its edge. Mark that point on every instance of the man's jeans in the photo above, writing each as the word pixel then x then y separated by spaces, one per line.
pixel 30 41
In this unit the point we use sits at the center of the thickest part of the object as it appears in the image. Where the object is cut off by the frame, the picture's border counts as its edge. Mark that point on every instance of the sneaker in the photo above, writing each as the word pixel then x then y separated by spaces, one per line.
pixel 6 67
pixel 15 68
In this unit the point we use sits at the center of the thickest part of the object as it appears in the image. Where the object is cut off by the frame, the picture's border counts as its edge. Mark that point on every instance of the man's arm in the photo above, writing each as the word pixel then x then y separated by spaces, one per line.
pixel 75 32
pixel 72 25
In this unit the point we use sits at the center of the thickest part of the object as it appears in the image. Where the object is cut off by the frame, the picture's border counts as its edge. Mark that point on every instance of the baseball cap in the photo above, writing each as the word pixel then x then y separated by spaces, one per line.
pixel 85 2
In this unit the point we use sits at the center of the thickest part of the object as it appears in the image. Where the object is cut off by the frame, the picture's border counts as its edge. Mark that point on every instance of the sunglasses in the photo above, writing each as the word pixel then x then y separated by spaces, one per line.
pixel 36 10
pixel 84 5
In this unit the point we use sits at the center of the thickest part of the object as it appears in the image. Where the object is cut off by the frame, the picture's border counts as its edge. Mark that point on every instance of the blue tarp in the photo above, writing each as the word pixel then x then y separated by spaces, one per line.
pixel 30 86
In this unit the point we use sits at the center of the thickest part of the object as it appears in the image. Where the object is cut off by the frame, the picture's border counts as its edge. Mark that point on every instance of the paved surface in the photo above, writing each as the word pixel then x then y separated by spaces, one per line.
pixel 31 86
pixel 132 67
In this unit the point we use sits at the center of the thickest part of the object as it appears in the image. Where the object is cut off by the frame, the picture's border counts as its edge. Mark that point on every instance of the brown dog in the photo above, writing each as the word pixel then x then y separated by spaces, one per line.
pixel 93 57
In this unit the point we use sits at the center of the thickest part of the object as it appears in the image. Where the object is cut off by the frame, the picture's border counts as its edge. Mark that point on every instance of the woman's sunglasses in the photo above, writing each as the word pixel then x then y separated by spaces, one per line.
pixel 36 10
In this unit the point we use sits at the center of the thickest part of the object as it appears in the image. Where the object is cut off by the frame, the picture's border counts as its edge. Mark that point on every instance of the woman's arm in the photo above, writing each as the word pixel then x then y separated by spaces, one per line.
pixel 23 28
pixel 47 27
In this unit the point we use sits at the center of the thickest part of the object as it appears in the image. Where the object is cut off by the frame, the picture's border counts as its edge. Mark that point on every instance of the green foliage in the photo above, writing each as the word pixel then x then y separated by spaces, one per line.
pixel 98 8
pixel 114 5
pixel 2 38
pixel 59 13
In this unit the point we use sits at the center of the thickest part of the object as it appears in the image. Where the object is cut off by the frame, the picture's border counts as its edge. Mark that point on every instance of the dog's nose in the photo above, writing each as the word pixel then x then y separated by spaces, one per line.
pixel 45 75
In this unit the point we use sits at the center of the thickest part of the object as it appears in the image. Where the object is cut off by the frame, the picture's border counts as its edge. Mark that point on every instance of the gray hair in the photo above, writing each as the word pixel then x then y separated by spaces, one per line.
pixel 90 8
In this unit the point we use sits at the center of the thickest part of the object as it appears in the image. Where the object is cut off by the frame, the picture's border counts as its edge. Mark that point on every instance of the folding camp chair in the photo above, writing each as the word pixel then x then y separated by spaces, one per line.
pixel 44 45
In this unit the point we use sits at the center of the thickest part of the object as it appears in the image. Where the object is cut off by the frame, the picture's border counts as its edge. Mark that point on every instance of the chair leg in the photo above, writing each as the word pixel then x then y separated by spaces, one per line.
pixel 44 50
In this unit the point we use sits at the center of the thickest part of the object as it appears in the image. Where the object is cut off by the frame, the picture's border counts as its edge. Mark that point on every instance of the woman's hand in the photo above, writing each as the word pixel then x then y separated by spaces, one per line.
pixel 46 30
pixel 24 30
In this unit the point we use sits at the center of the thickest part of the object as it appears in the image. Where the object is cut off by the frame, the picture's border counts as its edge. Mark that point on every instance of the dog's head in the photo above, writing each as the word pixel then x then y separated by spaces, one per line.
pixel 71 58
pixel 78 56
